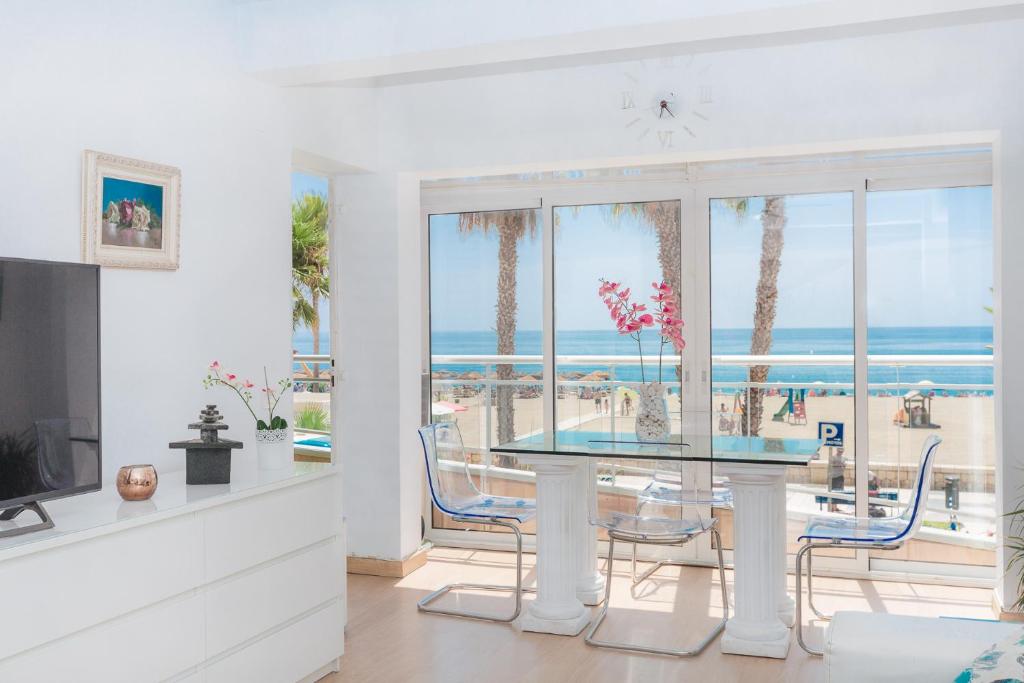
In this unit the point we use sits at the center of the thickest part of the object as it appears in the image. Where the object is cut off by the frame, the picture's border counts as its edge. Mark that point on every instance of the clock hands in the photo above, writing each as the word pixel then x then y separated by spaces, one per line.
pixel 663 108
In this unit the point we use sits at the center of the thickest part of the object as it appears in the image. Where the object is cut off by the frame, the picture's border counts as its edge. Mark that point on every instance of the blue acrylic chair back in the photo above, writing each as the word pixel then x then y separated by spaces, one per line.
pixel 455 495
pixel 913 514
pixel 451 485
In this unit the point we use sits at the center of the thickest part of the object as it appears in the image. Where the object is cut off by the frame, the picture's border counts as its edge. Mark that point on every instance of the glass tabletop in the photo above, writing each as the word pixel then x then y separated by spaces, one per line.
pixel 738 449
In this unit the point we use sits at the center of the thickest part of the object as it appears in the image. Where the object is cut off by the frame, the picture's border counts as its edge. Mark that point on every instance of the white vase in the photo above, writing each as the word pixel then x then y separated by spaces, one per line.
pixel 274 448
pixel 652 421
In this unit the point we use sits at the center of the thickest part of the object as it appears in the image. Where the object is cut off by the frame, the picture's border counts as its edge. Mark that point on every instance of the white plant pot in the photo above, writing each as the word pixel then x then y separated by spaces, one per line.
pixel 274 448
pixel 652 421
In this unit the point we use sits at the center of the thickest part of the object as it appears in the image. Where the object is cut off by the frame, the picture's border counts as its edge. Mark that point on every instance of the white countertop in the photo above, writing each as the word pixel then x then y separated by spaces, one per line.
pixel 103 512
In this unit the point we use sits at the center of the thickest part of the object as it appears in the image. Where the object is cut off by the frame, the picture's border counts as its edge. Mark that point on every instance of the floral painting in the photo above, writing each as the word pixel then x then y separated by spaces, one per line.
pixel 133 214
pixel 130 212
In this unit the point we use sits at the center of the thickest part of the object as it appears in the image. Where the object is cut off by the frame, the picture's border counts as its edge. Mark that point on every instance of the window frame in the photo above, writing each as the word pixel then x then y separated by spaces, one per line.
pixel 694 186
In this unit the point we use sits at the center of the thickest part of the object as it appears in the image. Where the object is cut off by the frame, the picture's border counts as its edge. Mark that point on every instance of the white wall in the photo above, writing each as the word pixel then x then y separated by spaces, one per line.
pixel 368 29
pixel 927 82
pixel 153 81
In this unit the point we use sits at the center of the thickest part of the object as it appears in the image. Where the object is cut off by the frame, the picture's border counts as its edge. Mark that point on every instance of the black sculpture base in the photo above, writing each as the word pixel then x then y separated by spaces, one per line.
pixel 208 466
pixel 208 458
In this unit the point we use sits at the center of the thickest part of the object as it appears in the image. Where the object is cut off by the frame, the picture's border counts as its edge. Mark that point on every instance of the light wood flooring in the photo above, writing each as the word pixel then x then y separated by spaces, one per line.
pixel 388 640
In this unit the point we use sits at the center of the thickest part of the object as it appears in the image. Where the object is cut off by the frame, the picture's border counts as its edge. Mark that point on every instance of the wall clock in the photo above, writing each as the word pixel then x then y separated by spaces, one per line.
pixel 667 100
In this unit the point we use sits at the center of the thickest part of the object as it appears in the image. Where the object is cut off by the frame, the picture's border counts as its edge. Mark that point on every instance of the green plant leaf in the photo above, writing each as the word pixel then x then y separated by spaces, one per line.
pixel 313 416
pixel 261 425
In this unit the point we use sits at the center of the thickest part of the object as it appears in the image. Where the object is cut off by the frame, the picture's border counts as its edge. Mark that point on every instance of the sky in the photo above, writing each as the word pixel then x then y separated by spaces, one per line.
pixel 929 264
pixel 302 184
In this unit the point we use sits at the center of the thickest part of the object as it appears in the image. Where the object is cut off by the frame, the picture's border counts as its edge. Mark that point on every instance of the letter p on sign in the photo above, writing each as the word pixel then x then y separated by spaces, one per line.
pixel 831 433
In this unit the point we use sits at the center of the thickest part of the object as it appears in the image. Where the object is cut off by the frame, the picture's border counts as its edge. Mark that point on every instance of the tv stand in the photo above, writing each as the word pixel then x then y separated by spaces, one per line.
pixel 10 513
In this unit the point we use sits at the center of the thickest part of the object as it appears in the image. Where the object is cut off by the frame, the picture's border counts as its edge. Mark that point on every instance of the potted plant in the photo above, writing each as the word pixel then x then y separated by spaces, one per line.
pixel 652 421
pixel 274 445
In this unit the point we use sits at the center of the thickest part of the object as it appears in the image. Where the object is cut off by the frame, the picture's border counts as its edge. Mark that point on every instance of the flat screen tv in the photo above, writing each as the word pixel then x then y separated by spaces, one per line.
pixel 49 385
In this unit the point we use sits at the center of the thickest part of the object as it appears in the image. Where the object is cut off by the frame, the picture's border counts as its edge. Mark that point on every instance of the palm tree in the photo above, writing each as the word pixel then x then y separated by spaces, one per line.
pixel 766 298
pixel 663 219
pixel 310 274
pixel 511 226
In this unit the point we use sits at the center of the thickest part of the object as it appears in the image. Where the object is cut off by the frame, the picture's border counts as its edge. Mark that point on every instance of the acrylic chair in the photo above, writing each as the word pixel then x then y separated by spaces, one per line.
pixel 872 533
pixel 455 495
pixel 664 489
pixel 664 525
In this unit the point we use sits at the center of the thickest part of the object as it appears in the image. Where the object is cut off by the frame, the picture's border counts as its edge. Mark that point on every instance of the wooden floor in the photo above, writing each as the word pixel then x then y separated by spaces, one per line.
pixel 387 639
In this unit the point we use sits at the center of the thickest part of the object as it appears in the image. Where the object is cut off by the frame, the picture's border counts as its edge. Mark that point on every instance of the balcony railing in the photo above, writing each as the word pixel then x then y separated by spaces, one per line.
pixel 488 379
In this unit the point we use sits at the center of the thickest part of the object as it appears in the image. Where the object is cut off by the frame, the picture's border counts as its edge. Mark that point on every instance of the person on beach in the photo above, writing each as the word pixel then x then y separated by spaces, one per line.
pixel 836 476
pixel 725 422
pixel 597 403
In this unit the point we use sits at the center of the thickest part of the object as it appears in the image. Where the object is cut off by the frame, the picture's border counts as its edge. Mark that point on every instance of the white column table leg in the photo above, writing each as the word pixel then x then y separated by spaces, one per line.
pixel 589 581
pixel 759 558
pixel 556 608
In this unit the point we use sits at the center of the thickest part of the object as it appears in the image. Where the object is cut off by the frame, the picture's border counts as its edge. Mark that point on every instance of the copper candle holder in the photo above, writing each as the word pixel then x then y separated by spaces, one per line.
pixel 136 482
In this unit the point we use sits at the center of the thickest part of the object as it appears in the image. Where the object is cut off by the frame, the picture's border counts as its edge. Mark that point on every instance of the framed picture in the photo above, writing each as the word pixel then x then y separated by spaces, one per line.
pixel 131 212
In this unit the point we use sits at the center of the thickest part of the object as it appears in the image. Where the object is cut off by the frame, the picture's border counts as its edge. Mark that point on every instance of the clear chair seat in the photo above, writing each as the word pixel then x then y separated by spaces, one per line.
pixel 673 494
pixel 502 507
pixel 855 529
pixel 657 529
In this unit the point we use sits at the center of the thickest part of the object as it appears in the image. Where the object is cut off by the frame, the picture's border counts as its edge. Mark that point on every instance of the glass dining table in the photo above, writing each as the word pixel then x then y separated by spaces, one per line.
pixel 567 575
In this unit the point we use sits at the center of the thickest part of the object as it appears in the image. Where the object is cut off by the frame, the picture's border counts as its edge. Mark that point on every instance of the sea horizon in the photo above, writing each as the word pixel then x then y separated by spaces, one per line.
pixel 892 340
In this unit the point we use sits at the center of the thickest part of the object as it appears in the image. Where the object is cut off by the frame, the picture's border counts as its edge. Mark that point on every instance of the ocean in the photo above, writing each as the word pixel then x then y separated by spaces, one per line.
pixel 802 341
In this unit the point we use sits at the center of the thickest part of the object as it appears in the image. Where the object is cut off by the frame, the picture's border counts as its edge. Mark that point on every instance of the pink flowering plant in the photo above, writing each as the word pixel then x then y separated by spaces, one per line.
pixel 632 318
pixel 217 376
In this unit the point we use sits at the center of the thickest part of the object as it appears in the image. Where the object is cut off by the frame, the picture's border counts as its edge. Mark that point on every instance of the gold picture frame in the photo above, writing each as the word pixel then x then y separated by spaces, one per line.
pixel 131 212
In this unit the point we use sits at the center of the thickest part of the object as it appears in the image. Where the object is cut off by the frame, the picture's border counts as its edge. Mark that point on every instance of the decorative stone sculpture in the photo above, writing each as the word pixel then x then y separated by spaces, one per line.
pixel 208 458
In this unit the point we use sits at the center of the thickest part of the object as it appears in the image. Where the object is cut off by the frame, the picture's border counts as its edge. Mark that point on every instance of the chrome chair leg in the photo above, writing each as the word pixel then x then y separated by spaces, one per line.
pixel 805 550
pixel 423 605
pixel 598 619
pixel 810 587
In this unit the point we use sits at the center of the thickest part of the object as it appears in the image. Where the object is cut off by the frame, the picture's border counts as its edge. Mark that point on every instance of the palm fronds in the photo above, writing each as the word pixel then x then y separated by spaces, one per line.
pixel 310 253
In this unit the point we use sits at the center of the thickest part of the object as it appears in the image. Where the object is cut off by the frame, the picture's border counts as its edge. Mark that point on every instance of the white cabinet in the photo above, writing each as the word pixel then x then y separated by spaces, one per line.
pixel 244 582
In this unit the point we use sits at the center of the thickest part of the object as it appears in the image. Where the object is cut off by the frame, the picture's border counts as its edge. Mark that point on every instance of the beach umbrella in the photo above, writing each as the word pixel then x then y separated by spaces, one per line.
pixel 623 392
pixel 437 409
pixel 595 376
pixel 448 407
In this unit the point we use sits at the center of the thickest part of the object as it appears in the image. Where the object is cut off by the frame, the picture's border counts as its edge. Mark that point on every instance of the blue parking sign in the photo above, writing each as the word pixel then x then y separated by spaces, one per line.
pixel 831 433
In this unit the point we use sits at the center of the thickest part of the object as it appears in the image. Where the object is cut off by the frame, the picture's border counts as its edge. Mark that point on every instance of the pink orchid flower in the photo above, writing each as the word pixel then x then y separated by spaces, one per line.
pixel 646 319
pixel 248 384
pixel 215 365
pixel 231 377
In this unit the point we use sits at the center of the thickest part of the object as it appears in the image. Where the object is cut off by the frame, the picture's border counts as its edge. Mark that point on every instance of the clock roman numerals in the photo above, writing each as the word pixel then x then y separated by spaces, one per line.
pixel 649 110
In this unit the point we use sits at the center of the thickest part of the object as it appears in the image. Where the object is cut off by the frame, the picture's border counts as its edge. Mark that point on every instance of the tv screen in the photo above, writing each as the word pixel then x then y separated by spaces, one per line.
pixel 49 380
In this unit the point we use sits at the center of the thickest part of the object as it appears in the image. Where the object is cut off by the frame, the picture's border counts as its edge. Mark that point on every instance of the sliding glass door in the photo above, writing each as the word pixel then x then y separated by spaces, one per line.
pixel 825 306
pixel 782 338
pixel 929 279
pixel 600 368
pixel 486 371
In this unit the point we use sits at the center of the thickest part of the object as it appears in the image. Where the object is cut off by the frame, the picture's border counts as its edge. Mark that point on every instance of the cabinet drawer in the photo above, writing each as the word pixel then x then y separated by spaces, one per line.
pixel 252 603
pixel 52 594
pixel 288 655
pixel 151 645
pixel 249 532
